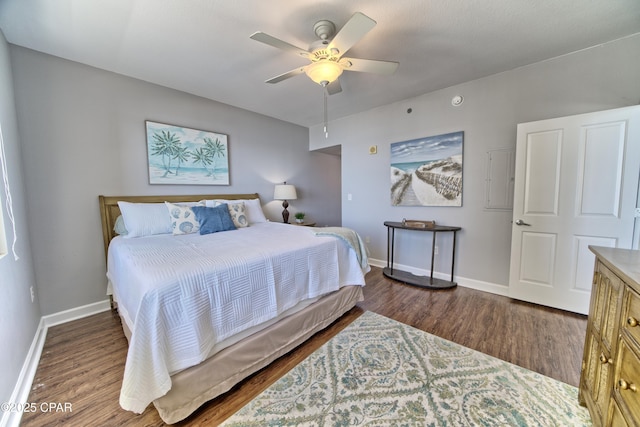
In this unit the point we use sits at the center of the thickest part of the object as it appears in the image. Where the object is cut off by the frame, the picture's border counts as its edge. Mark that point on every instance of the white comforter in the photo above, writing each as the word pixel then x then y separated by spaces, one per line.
pixel 181 295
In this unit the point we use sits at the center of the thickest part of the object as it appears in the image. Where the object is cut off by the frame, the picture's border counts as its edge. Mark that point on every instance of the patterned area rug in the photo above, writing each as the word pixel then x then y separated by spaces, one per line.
pixel 379 372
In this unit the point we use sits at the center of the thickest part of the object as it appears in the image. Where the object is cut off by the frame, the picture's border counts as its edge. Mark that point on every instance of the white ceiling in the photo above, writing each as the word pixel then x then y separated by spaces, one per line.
pixel 203 47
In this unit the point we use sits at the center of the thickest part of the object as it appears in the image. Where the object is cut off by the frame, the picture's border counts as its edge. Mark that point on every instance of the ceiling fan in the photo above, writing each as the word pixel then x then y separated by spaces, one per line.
pixel 326 54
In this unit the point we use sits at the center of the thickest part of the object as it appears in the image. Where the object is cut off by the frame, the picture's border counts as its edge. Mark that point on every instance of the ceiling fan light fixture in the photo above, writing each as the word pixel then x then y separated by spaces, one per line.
pixel 323 71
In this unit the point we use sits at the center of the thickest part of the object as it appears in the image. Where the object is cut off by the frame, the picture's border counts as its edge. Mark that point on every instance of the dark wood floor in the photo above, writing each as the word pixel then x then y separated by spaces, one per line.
pixel 83 361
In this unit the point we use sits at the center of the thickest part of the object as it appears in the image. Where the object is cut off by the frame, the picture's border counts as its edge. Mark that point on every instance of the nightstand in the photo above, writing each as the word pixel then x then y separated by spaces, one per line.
pixel 305 224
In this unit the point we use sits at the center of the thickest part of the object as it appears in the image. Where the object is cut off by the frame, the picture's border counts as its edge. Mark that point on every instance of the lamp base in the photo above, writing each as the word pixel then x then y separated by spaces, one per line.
pixel 285 212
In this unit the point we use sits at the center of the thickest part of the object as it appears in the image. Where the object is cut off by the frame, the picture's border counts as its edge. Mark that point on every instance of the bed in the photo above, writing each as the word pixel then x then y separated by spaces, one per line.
pixel 203 312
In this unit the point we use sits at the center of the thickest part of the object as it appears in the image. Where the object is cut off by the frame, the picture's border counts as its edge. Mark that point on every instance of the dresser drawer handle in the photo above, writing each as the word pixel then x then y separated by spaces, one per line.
pixel 603 359
pixel 626 386
pixel 632 321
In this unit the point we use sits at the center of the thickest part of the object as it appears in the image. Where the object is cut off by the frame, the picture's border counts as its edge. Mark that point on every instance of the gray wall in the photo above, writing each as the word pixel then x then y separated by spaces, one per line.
pixel 19 317
pixel 83 134
pixel 604 77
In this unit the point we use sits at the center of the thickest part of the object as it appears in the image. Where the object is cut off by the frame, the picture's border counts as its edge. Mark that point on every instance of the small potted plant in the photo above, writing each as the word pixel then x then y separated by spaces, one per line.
pixel 299 217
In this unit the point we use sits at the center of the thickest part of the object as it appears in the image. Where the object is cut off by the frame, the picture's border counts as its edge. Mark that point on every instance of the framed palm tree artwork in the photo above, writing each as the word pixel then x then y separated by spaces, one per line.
pixel 180 155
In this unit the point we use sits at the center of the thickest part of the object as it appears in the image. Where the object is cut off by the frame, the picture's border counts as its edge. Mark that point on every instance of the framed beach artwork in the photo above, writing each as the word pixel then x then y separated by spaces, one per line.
pixel 427 171
pixel 180 155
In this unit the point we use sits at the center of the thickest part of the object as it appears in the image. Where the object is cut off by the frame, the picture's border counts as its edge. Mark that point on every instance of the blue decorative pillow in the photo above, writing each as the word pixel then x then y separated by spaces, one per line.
pixel 212 220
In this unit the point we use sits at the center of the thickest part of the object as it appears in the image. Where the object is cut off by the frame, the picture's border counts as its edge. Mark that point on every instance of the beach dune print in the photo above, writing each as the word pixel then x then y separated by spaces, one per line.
pixel 427 171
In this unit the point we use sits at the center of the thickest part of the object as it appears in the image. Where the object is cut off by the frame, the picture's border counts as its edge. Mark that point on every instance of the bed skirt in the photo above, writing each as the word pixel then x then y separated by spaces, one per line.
pixel 194 386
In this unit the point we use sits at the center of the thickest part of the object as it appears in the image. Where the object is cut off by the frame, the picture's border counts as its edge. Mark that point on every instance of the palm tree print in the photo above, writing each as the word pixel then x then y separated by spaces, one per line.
pixel 188 153
pixel 182 155
pixel 201 157
pixel 213 149
pixel 165 144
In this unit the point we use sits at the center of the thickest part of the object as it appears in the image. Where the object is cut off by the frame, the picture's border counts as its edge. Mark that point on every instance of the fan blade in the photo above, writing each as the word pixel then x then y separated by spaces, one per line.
pixel 334 87
pixel 357 26
pixel 369 65
pixel 277 43
pixel 286 75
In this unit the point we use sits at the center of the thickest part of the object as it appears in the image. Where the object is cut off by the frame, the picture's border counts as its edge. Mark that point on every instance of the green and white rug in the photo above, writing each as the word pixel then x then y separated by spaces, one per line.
pixel 379 372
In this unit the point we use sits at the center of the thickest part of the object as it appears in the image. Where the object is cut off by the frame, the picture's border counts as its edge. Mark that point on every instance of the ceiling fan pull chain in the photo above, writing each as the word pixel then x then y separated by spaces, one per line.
pixel 326 114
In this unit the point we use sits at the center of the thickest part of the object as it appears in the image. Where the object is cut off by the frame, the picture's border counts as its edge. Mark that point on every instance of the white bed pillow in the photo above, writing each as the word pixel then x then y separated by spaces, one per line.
pixel 252 208
pixel 254 211
pixel 145 219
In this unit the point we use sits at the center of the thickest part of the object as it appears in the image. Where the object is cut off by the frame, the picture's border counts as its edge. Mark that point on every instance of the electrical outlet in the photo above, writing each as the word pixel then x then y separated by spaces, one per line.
pixel 33 294
pixel 435 250
pixel 367 240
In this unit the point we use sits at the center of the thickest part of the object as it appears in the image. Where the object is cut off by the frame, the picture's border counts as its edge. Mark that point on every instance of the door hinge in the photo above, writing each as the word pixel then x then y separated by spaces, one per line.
pixel 637 214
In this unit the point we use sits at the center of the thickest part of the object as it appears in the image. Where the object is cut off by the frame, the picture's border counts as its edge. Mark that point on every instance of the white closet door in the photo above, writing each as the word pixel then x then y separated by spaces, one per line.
pixel 576 185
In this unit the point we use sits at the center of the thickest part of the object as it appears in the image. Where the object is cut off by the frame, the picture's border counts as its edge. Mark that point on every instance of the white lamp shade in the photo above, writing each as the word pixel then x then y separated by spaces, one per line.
pixel 285 192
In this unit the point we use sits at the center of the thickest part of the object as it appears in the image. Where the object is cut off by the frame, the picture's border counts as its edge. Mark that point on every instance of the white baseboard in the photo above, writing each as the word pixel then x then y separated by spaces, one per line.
pixel 29 367
pixel 479 285
pixel 76 313
pixel 25 379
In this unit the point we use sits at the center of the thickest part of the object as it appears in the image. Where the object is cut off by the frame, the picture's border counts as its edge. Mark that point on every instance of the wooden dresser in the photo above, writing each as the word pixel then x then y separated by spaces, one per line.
pixel 610 377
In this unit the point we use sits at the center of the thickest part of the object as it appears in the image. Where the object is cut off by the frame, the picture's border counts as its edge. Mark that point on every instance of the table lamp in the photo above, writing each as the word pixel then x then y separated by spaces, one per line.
pixel 285 192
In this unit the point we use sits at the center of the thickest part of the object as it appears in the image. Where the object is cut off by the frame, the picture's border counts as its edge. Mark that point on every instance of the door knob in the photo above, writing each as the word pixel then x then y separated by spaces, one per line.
pixel 521 222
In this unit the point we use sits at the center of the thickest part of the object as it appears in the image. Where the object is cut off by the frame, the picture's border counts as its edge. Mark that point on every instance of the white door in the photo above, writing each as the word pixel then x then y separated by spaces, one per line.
pixel 576 185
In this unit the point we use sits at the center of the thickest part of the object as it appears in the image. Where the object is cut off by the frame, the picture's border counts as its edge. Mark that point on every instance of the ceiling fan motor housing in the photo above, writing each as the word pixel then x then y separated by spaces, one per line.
pixel 325 30
pixel 318 50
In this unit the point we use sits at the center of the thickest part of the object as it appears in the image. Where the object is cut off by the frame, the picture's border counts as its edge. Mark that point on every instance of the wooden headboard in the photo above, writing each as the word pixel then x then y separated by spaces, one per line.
pixel 109 210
